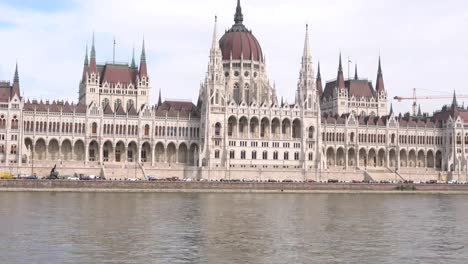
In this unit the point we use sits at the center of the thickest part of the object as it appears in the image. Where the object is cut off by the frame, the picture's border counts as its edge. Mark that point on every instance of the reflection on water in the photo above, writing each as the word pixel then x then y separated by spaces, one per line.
pixel 232 228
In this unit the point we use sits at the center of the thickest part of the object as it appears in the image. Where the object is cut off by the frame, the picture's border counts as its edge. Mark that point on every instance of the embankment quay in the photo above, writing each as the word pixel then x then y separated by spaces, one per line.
pixel 166 186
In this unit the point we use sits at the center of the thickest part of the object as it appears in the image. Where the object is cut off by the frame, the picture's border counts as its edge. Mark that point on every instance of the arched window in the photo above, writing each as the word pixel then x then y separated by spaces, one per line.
pixel 94 128
pixel 217 129
pixel 147 130
pixel 14 123
pixel 2 122
pixel 254 155
pixel 130 103
pixel 311 132
pixel 286 156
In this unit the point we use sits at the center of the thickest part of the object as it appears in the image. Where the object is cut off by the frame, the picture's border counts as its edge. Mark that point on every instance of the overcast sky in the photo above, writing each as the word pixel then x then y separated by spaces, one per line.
pixel 423 43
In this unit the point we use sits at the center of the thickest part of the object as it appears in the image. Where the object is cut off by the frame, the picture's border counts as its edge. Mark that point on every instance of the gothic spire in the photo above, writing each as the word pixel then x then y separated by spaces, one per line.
pixel 238 17
pixel 159 99
pixel 380 83
pixel 16 88
pixel 93 65
pixel 143 67
pixel 133 65
pixel 319 81
pixel 86 62
pixel 391 108
pixel 16 78
pixel 454 100
pixel 355 72
pixel 215 43
pixel 306 53
pixel 340 79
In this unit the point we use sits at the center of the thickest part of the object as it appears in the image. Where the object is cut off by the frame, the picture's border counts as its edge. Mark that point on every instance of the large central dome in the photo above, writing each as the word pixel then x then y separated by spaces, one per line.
pixel 239 41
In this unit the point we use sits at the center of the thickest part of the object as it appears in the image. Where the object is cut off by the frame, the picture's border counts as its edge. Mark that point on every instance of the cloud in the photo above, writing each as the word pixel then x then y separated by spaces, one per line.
pixel 422 43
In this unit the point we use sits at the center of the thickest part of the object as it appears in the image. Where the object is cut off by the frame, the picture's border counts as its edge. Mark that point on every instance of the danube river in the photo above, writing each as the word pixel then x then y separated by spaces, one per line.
pixel 232 228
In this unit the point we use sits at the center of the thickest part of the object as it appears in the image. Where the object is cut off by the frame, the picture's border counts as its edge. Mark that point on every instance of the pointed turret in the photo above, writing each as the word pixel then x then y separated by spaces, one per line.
pixel 15 90
pixel 143 69
pixel 454 100
pixel 238 17
pixel 133 65
pixel 355 72
pixel 93 65
pixel 159 99
pixel 215 43
pixel 419 111
pixel 306 53
pixel 340 83
pixel 319 81
pixel 391 109
pixel 86 62
pixel 379 87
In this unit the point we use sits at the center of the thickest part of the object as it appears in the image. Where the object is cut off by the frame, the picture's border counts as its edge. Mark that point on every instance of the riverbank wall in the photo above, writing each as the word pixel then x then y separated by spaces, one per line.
pixel 203 186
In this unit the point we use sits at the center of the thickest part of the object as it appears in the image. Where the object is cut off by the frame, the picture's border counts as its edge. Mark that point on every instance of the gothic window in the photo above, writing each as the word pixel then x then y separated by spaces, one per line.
pixel 216 154
pixel 296 155
pixel 2 122
pixel 254 155
pixel 232 154
pixel 217 129
pixel 311 132
pixel 275 155
pixel 105 102
pixel 243 154
pixel 311 155
pixel 286 156
pixel 94 128
pixel 265 155
pixel 130 103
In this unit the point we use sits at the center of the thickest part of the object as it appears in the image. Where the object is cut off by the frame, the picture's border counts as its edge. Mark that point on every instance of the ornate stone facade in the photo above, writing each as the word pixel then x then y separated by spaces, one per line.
pixel 237 130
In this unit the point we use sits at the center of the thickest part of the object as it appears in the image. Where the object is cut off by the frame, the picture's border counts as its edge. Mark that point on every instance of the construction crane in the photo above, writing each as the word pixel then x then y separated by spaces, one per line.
pixel 433 97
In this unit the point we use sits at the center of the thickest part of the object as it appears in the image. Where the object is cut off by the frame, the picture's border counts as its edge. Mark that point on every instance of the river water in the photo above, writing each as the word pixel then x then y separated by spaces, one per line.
pixel 232 228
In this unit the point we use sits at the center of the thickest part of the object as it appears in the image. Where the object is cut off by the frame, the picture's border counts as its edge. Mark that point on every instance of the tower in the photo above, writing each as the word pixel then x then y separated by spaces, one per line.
pixel 115 84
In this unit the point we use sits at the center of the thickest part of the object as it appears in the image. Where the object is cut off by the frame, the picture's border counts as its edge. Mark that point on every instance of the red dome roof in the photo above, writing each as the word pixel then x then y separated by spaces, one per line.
pixel 240 41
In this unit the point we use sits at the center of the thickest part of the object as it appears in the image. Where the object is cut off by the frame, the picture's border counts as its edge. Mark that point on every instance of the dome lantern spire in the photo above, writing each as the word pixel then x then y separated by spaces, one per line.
pixel 238 17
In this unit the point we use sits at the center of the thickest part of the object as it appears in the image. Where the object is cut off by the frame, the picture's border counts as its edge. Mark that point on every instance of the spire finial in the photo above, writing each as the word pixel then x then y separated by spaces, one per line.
pixel 319 75
pixel 238 17
pixel 215 34
pixel 454 101
pixel 355 72
pixel 133 58
pixel 86 55
pixel 340 66
pixel 143 52
pixel 159 99
pixel 16 78
pixel 380 66
pixel 93 50
pixel 306 53
pixel 391 108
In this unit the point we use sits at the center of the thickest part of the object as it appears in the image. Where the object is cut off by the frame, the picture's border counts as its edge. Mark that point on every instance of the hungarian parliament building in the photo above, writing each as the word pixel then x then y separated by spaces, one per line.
pixel 343 129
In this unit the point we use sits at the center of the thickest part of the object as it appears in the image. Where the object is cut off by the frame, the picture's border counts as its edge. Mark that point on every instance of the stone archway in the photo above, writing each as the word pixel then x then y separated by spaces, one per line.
pixel 182 153
pixel 381 158
pixel 132 152
pixel 412 158
pixel 171 153
pixel 331 157
pixel 93 151
pixel 352 157
pixel 120 152
pixel 340 157
pixel 276 128
pixel 108 152
pixel 372 158
pixel 53 150
pixel 193 155
pixel 146 152
pixel 160 152
pixel 362 158
pixel 66 150
pixel 403 158
pixel 430 161
pixel 392 158
pixel 79 150
pixel 421 159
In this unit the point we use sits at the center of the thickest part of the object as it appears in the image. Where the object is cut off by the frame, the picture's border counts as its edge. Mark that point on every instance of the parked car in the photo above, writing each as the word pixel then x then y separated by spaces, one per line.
pixel 6 176
pixel 73 178
pixel 152 178
pixel 132 179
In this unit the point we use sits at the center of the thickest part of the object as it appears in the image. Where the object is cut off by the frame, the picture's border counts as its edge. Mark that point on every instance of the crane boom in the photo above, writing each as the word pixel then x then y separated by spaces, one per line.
pixel 401 98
